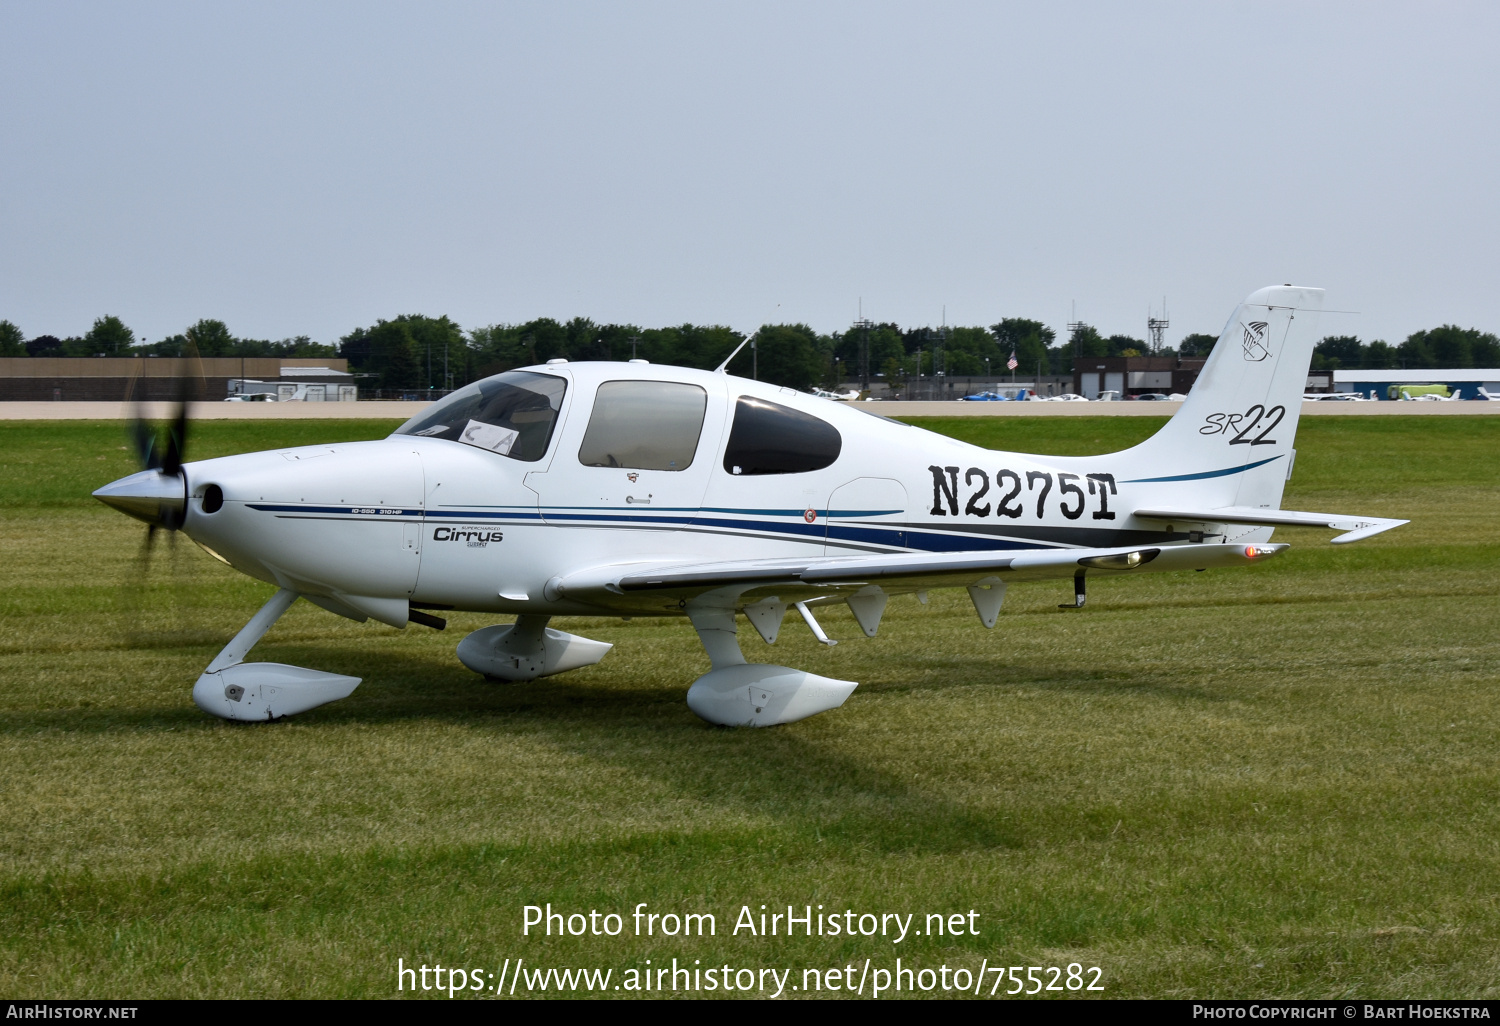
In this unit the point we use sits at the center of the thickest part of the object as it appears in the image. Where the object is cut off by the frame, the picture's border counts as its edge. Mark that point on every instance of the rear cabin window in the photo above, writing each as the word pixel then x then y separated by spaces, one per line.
pixel 772 439
pixel 512 414
pixel 644 425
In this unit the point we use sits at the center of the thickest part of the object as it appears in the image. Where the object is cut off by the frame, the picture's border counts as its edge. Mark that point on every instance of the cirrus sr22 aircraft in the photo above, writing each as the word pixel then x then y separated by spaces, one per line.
pixel 626 489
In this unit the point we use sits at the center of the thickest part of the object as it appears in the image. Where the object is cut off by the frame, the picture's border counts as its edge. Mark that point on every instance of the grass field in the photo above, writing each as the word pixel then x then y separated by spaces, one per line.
pixel 1279 781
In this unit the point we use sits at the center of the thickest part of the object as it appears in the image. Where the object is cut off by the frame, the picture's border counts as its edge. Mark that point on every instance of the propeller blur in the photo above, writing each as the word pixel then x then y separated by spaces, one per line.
pixel 627 489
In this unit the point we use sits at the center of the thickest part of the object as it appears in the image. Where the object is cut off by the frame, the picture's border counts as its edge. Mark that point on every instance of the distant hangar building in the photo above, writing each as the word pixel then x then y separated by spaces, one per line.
pixel 151 378
pixel 1132 375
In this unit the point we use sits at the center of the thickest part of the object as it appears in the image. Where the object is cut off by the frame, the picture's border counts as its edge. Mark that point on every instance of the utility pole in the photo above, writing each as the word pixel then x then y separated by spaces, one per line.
pixel 755 357
pixel 634 341
pixel 944 348
pixel 1073 327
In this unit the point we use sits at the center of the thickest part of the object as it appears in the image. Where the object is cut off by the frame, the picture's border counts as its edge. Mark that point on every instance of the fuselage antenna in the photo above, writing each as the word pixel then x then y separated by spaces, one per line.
pixel 720 368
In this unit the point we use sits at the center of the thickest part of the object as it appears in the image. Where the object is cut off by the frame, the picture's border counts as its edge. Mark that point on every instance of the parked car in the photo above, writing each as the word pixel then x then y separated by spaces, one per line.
pixel 984 397
pixel 1151 397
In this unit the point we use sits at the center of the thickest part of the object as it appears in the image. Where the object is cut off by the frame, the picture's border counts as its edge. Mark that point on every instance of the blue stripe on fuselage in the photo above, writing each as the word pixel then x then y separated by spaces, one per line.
pixel 898 538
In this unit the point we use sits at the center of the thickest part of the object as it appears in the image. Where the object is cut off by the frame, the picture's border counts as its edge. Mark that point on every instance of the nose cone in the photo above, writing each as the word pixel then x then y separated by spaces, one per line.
pixel 157 498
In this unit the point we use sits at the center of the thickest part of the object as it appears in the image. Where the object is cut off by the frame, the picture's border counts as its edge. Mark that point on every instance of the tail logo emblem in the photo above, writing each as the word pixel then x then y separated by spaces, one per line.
pixel 1255 341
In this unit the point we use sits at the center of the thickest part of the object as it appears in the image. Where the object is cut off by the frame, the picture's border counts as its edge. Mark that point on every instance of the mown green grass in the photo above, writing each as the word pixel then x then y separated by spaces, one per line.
pixel 1276 781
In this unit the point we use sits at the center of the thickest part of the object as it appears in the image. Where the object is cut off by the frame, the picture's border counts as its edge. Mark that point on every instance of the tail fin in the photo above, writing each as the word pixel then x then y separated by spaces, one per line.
pixel 1231 442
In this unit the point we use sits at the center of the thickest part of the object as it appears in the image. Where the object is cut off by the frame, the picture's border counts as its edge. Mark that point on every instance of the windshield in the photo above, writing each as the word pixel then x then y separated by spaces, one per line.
pixel 512 414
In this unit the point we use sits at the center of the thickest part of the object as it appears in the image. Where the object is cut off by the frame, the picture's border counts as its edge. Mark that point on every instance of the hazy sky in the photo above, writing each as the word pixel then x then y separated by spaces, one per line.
pixel 308 167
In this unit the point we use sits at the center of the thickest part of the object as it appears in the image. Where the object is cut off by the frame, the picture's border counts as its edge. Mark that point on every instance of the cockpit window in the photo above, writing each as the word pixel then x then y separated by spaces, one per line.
pixel 644 425
pixel 772 439
pixel 512 414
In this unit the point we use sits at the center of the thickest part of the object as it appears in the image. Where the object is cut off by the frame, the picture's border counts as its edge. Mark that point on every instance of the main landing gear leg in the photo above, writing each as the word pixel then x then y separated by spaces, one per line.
pixel 1080 593
pixel 735 693
pixel 237 690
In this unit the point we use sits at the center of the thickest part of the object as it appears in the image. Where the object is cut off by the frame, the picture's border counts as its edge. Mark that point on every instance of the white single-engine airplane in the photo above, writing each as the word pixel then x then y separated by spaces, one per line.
pixel 626 489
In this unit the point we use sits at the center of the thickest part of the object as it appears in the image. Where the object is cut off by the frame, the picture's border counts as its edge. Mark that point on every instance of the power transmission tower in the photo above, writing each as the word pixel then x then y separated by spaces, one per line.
pixel 936 339
pixel 863 326
pixel 1156 328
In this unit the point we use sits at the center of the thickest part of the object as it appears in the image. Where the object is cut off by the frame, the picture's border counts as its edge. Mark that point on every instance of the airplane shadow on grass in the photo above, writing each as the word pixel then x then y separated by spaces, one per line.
pixel 782 775
pixel 785 774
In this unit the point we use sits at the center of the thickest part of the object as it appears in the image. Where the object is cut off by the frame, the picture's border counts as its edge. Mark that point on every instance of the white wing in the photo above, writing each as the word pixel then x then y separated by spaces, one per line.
pixel 742 582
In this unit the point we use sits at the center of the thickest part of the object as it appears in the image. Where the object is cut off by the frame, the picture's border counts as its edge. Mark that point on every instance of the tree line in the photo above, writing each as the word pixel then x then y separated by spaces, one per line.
pixel 414 351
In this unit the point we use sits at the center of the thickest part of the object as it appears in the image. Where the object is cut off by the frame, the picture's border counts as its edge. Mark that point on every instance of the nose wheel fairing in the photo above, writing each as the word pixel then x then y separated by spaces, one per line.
pixel 268 691
pixel 236 690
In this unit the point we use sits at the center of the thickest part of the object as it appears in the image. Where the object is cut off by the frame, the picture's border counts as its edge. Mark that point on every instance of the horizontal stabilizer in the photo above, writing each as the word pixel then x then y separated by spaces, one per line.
pixel 1357 527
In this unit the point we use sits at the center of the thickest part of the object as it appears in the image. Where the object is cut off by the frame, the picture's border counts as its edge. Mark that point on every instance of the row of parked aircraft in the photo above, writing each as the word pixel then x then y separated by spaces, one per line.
pixel 1418 393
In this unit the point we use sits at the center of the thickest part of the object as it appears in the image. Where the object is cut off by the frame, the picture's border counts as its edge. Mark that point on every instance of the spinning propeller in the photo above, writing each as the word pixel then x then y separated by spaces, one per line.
pixel 157 494
pixel 157 609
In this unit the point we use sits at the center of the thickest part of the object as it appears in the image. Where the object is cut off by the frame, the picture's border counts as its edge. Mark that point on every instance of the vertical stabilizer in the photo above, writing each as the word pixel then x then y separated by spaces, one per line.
pixel 1231 443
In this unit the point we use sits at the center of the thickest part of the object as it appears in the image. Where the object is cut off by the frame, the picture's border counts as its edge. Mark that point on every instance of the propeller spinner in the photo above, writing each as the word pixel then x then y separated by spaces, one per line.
pixel 156 495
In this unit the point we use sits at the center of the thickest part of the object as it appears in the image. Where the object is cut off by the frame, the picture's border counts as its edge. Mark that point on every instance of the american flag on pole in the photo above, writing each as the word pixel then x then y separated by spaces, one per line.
pixel 1011 363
